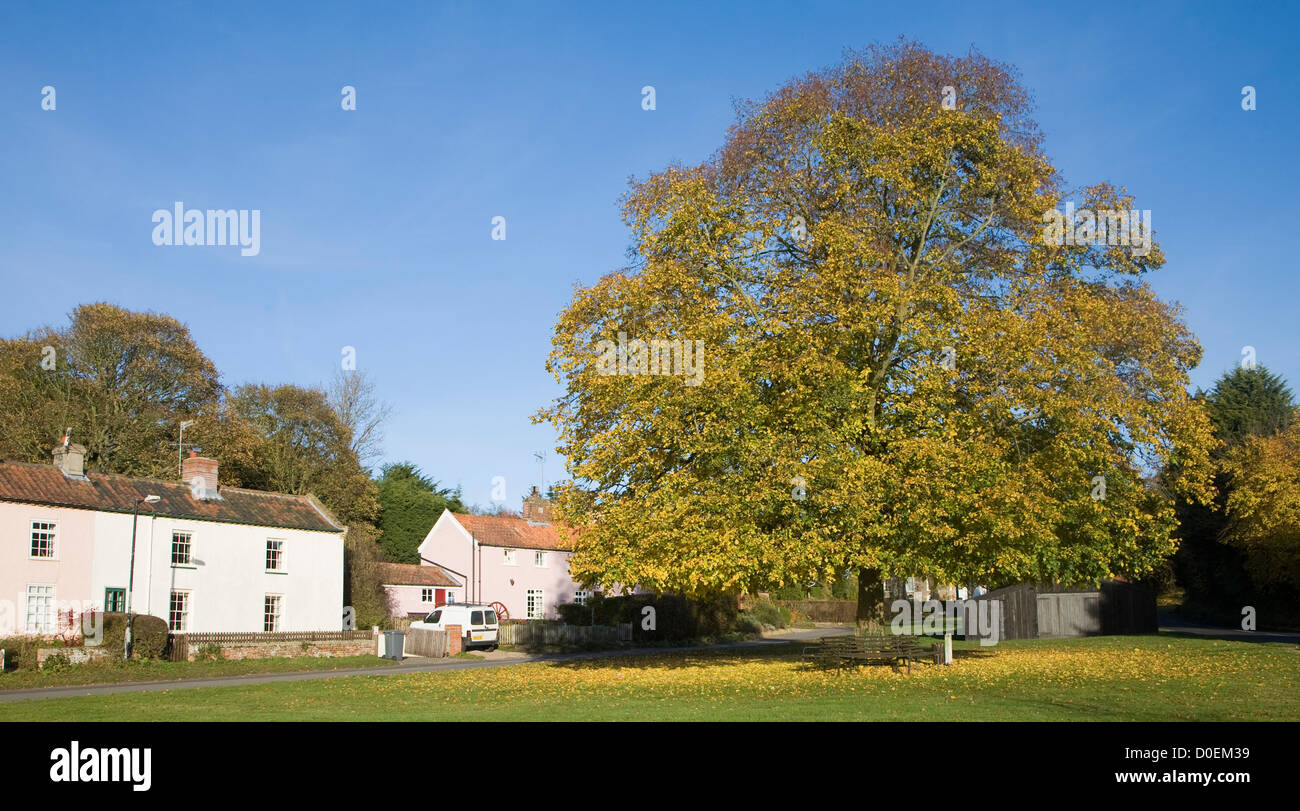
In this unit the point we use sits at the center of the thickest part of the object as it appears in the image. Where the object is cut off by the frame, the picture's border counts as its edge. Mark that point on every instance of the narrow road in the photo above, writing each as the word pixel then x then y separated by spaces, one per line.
pixel 410 665
pixel 1172 624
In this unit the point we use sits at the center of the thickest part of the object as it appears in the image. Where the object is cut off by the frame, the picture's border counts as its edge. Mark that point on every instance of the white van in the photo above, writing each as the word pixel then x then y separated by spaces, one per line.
pixel 478 623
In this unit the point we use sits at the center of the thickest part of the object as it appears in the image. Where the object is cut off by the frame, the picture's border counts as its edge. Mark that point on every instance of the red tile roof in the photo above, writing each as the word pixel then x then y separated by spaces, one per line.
pixel 407 574
pixel 106 492
pixel 517 533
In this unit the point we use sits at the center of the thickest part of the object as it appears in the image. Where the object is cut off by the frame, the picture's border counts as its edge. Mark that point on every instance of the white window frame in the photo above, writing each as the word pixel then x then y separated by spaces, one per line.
pixel 269 601
pixel 50 525
pixel 186 613
pixel 582 596
pixel 509 557
pixel 280 551
pixel 47 624
pixel 539 560
pixel 189 549
pixel 535 599
pixel 427 594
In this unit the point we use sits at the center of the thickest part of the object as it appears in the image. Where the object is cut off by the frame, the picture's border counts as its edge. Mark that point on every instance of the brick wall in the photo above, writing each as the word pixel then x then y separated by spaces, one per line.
pixel 315 650
pixel 76 656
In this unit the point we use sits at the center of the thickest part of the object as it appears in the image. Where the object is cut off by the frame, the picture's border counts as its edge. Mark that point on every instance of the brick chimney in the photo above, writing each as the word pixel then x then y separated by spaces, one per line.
pixel 537 510
pixel 200 473
pixel 70 458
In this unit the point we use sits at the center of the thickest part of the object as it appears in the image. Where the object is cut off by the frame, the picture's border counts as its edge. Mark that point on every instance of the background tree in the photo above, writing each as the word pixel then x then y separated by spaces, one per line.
pixel 121 381
pixel 885 321
pixel 1246 406
pixel 352 397
pixel 1263 505
pixel 410 504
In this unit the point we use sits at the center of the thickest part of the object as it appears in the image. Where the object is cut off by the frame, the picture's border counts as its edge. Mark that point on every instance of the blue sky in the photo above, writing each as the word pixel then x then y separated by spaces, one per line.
pixel 376 223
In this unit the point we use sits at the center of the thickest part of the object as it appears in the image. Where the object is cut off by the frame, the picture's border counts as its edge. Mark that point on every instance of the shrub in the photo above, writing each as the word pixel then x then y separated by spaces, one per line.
pixel 746 624
pixel 148 634
pixel 208 652
pixel 767 612
pixel 20 652
pixel 56 663
pixel 676 617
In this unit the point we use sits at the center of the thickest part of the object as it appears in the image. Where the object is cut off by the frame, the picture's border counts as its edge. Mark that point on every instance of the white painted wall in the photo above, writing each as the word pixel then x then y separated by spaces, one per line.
pixel 228 580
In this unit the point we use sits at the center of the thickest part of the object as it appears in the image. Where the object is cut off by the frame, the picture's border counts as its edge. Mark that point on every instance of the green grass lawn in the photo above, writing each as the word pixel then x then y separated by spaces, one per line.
pixel 1152 678
pixel 118 672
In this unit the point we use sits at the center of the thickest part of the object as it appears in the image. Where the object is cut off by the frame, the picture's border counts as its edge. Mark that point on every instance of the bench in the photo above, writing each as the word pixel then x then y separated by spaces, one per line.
pixel 855 650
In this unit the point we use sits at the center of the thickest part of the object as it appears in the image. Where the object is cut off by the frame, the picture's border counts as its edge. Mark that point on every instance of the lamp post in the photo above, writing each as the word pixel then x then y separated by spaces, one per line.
pixel 130 580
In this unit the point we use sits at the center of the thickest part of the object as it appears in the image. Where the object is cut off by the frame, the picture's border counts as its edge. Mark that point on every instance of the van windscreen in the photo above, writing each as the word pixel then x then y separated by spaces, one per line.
pixel 432 619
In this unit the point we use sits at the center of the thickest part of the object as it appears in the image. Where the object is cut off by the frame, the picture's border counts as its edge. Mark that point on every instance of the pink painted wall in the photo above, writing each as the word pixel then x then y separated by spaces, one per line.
pixel 494 580
pixel 69 572
pixel 404 600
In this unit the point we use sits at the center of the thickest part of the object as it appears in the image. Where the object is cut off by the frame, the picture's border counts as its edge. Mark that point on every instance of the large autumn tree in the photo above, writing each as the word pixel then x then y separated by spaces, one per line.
pixel 902 374
pixel 117 378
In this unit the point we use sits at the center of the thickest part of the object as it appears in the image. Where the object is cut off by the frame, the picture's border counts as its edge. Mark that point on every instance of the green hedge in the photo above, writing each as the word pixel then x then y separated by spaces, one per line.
pixel 676 617
pixel 148 634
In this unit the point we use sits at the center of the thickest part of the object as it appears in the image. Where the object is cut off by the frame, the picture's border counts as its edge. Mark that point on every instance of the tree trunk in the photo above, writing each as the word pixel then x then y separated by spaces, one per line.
pixel 871 598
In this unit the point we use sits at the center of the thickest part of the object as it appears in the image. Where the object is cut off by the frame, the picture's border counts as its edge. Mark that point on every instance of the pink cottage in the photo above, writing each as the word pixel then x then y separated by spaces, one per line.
pixel 519 562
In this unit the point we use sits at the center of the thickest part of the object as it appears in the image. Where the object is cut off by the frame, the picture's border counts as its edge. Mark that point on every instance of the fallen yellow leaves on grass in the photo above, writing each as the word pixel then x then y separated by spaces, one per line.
pixel 1152 667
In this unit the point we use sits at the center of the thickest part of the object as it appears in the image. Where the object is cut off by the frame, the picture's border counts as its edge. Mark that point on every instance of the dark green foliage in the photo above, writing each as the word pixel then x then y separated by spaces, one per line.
pixel 410 503
pixel 1249 402
pixel 148 634
pixel 676 617
pixel 1243 403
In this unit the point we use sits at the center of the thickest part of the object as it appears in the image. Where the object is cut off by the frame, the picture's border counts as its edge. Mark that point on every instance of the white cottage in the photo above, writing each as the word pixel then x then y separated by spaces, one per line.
pixel 206 557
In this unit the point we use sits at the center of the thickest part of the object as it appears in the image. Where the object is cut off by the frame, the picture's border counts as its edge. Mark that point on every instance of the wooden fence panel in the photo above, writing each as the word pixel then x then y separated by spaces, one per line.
pixel 534 633
pixel 426 642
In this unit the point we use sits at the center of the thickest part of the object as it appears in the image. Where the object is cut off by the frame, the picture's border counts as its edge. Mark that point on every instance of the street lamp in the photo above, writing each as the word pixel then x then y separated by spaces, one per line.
pixel 130 581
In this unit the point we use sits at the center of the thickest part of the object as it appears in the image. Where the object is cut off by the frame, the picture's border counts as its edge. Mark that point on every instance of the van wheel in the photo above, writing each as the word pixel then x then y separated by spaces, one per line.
pixel 494 647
